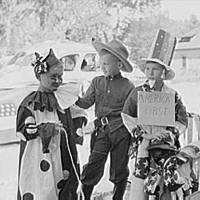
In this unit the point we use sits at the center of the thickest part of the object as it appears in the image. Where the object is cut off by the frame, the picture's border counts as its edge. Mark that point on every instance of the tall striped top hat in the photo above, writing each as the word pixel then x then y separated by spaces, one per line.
pixel 161 52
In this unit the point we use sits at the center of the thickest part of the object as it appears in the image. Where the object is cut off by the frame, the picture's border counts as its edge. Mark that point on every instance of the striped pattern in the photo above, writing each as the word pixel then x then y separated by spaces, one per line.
pixel 163 47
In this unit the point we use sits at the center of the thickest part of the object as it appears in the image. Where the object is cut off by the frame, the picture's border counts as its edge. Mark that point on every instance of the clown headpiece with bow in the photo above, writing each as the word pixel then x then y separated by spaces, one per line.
pixel 42 65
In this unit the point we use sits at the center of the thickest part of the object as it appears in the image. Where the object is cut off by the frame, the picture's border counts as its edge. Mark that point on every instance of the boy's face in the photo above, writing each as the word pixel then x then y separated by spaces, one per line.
pixel 51 80
pixel 154 71
pixel 110 64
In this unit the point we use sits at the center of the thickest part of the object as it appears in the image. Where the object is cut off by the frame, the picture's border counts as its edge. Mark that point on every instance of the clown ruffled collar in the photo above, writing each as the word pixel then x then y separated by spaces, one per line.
pixel 61 99
pixel 41 101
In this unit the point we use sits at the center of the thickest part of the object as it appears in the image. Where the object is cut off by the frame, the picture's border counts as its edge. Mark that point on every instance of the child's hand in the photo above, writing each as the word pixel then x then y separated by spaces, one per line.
pixel 166 133
pixel 59 127
pixel 89 128
pixel 157 135
pixel 80 132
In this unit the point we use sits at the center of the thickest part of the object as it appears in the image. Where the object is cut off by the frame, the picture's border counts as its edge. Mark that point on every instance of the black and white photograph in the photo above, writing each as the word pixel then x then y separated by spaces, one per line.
pixel 99 99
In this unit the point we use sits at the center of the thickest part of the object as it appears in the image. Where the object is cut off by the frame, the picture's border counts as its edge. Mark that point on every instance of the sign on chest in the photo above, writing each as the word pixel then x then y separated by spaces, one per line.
pixel 156 108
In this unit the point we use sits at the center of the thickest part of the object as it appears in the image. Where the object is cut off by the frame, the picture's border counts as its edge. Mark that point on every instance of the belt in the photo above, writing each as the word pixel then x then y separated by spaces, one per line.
pixel 104 121
pixel 101 122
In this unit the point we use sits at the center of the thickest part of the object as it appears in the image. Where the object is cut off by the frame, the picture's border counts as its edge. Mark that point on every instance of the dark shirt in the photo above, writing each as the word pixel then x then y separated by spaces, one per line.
pixel 109 95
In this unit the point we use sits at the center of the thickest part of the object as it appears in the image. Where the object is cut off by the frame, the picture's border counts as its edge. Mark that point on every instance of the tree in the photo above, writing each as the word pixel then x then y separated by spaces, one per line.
pixel 134 22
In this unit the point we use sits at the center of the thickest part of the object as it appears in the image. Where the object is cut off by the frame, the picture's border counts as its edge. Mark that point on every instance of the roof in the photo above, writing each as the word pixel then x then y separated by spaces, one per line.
pixel 190 40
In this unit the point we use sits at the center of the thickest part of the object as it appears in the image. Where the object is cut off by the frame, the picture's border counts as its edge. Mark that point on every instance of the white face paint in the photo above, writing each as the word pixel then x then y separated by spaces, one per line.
pixel 51 80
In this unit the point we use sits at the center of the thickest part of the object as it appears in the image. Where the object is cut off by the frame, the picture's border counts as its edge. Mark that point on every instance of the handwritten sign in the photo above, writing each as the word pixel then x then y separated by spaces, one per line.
pixel 156 108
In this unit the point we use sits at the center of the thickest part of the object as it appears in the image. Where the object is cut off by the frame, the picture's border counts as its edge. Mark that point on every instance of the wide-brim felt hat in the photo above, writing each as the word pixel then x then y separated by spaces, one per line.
pixel 161 52
pixel 116 48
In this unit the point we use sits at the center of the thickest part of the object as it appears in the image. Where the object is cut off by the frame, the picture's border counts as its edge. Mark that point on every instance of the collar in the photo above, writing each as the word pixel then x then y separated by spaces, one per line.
pixel 117 76
pixel 157 86
pixel 42 101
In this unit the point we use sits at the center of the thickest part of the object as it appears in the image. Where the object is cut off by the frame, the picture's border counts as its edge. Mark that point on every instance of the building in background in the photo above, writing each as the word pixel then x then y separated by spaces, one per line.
pixel 187 52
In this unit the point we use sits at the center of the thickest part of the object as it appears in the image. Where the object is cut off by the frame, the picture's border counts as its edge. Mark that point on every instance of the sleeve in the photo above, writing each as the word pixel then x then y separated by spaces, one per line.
pixel 181 117
pixel 129 112
pixel 129 122
pixel 130 106
pixel 77 112
pixel 89 98
pixel 22 115
pixel 130 88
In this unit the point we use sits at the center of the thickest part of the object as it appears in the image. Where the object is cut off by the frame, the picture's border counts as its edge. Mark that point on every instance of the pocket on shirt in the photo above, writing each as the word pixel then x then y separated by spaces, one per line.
pixel 99 95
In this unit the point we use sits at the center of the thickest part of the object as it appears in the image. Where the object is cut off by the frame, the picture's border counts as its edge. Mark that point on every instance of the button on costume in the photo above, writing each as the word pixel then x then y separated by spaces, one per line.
pixel 145 167
pixel 110 136
pixel 46 124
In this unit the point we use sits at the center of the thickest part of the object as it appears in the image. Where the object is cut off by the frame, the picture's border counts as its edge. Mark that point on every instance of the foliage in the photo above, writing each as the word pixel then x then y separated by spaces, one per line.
pixel 24 22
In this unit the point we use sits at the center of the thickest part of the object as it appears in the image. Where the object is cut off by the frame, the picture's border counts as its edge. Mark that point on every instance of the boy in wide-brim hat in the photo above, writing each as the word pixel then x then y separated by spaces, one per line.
pixel 157 69
pixel 108 93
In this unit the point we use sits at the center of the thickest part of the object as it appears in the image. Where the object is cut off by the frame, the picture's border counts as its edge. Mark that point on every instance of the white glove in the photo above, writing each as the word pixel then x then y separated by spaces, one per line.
pixel 79 132
pixel 30 124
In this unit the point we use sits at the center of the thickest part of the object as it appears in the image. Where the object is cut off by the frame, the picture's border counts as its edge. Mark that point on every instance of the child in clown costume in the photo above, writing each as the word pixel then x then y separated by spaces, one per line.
pixel 46 124
pixel 157 69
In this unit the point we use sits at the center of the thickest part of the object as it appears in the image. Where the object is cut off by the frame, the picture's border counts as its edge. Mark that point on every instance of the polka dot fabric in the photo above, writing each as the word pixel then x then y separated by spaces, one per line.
pixel 28 196
pixel 44 165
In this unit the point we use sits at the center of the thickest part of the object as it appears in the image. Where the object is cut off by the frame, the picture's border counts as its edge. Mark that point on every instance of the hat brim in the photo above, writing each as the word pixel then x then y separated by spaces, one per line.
pixel 169 75
pixel 162 146
pixel 127 67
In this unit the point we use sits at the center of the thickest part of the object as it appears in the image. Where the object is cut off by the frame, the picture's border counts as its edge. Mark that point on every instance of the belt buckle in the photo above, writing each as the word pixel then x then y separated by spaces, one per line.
pixel 104 121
